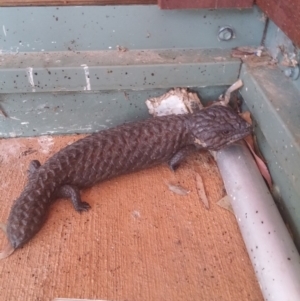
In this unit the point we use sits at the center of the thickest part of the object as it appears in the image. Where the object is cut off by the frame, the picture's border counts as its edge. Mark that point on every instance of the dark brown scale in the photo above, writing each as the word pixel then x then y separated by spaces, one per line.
pixel 113 152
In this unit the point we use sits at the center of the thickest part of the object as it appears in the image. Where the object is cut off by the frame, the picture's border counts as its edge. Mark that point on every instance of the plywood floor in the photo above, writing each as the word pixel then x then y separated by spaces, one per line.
pixel 140 241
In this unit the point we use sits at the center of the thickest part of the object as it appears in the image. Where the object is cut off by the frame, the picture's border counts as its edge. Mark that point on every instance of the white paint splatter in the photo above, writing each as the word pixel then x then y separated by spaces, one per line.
pixel 4 30
pixel 45 143
pixel 25 122
pixel 29 72
pixel 78 129
pixel 12 134
pixel 87 77
pixel 14 118
pixel 13 49
pixel 50 132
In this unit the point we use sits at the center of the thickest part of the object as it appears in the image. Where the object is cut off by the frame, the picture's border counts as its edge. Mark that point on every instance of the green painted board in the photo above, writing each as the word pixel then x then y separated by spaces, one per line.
pixel 274 103
pixel 81 93
pixel 33 114
pixel 88 28
pixel 115 70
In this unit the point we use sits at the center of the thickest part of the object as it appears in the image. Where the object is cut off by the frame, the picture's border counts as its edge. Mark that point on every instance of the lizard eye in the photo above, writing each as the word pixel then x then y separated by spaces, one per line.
pixel 225 132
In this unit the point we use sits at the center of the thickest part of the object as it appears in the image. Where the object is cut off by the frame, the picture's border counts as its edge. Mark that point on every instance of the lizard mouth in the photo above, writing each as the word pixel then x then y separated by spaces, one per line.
pixel 241 135
pixel 236 137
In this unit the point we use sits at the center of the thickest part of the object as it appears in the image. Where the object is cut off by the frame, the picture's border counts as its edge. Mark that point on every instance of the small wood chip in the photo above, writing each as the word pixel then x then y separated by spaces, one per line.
pixel 201 191
pixel 225 203
pixel 246 116
pixel 240 52
pixel 178 189
pixel 260 164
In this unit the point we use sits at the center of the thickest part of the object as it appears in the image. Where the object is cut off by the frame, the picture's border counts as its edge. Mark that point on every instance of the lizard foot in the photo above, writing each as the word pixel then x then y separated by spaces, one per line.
pixel 82 206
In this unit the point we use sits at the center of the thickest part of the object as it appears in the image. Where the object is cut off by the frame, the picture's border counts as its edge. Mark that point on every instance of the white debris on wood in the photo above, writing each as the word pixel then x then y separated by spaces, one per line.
pixel 181 101
pixel 289 59
pixel 121 48
pixel 176 101
pixel 248 51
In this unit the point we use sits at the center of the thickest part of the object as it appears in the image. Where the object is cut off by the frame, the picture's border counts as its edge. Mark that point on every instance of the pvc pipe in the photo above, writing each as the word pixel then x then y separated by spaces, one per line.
pixel 272 252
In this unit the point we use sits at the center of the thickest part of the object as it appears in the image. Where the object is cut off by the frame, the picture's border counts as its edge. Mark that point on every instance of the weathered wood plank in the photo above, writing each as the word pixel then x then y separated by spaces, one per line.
pixel 285 14
pixel 179 4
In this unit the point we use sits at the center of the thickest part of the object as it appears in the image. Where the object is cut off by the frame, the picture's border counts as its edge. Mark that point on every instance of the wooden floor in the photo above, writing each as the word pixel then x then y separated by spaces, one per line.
pixel 140 241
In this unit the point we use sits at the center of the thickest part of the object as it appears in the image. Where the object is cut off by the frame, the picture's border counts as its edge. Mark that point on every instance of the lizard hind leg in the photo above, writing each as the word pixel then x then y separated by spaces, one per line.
pixel 65 191
pixel 8 249
pixel 73 193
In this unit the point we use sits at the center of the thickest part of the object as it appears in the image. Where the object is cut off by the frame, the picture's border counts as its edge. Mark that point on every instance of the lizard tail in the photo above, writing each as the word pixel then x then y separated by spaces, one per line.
pixel 8 250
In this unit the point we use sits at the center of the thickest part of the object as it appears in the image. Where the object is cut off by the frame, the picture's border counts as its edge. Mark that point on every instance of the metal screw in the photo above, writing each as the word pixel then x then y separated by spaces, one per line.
pixel 292 72
pixel 226 33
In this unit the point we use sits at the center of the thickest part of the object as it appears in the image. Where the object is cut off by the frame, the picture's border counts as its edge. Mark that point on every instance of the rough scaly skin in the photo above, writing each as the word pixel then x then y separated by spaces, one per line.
pixel 113 152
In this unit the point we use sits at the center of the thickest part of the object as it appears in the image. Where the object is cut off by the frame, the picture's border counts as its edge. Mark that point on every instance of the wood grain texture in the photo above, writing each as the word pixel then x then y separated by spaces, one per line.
pixel 139 241
pixel 285 14
pixel 72 2
pixel 179 4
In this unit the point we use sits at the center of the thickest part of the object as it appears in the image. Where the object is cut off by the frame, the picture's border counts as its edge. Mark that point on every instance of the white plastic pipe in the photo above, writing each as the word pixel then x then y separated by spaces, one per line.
pixel 273 254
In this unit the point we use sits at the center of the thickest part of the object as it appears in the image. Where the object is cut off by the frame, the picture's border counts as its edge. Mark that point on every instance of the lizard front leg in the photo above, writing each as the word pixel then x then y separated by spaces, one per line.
pixel 180 156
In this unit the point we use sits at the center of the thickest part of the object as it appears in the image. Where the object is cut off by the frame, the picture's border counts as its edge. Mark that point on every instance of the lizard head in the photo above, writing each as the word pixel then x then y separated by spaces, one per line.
pixel 217 126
